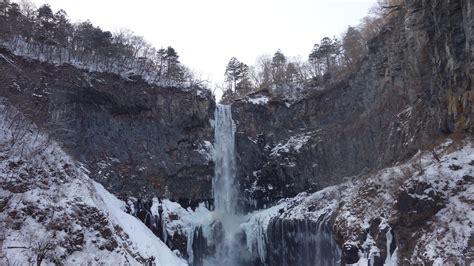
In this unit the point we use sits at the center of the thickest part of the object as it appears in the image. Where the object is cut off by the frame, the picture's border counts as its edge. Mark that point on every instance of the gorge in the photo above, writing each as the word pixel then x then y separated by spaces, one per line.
pixel 101 165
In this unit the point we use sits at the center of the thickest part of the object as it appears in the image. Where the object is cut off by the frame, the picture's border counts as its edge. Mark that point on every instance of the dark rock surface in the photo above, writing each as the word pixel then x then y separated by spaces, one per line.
pixel 137 139
pixel 413 86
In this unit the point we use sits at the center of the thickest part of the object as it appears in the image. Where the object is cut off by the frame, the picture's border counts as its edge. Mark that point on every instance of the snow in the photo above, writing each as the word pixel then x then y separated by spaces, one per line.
pixel 49 199
pixel 177 220
pixel 448 233
pixel 354 204
pixel 457 217
pixel 206 149
pixel 294 143
pixel 258 100
pixel 145 242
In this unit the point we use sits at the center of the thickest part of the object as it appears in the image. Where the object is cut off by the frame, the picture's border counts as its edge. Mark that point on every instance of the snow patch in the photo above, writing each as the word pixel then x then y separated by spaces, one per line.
pixel 294 143
pixel 258 100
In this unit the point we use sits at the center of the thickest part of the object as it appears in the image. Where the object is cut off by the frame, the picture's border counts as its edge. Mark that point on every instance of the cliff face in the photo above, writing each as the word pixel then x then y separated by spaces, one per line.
pixel 137 139
pixel 414 85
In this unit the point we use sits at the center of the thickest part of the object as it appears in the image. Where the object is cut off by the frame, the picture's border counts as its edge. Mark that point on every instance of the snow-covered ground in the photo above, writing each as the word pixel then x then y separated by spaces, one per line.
pixel 50 208
pixel 184 222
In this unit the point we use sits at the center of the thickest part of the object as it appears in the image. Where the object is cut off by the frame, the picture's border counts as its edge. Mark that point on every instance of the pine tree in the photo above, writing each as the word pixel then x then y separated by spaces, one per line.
pixel 46 22
pixel 172 64
pixel 325 53
pixel 235 71
pixel 279 67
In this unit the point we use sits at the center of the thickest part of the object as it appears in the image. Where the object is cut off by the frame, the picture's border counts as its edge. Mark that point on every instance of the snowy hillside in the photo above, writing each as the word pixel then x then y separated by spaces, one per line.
pixel 51 211
pixel 424 206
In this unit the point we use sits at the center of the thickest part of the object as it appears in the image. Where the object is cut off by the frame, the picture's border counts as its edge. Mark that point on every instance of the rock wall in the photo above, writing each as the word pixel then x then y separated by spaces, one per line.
pixel 137 139
pixel 301 242
pixel 414 85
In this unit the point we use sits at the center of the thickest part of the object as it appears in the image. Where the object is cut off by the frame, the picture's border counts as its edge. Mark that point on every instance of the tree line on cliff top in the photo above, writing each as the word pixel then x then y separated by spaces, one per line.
pixel 52 37
pixel 330 60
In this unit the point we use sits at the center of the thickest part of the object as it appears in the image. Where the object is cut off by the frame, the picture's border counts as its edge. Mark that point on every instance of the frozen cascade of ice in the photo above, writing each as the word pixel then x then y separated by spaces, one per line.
pixel 301 242
pixel 391 259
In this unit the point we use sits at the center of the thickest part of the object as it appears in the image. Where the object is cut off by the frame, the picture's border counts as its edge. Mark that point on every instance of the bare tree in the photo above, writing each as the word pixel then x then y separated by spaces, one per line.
pixel 42 248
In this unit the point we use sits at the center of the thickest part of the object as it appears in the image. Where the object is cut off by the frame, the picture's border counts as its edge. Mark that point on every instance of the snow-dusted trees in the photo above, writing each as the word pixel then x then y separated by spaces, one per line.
pixel 45 35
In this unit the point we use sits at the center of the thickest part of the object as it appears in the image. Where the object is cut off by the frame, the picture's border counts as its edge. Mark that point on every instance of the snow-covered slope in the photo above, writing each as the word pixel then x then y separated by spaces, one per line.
pixel 424 207
pixel 50 209
pixel 427 202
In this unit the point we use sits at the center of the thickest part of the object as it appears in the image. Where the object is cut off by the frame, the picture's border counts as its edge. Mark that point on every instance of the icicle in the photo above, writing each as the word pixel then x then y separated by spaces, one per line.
pixel 390 259
pixel 189 244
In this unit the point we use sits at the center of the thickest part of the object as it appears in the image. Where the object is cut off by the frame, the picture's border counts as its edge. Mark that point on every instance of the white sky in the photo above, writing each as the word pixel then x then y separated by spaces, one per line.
pixel 207 33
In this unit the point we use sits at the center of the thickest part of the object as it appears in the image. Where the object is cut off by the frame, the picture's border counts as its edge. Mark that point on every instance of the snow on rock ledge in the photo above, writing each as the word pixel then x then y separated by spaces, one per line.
pixel 258 100
pixel 294 143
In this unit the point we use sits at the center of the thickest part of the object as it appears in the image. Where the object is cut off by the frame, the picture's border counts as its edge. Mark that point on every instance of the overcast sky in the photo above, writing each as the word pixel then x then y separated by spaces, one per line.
pixel 207 33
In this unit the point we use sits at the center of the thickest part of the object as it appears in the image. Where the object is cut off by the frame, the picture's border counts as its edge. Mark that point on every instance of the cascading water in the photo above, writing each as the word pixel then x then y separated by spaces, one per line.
pixel 229 237
pixel 225 190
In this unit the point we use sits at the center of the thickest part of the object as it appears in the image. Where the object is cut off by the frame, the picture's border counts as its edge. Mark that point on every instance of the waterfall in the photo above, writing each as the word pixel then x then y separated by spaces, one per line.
pixel 230 236
pixel 225 191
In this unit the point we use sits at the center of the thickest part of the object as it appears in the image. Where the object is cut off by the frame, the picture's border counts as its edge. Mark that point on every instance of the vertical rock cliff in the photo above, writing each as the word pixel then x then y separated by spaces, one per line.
pixel 137 139
pixel 414 86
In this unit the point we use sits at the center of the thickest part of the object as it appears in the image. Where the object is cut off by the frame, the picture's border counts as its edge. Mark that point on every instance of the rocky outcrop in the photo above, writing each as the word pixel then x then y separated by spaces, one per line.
pixel 418 212
pixel 414 85
pixel 137 139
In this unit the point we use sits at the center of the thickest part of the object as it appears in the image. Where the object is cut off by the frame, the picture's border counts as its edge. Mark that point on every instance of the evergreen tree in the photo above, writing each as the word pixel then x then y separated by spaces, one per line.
pixel 173 70
pixel 278 67
pixel 325 53
pixel 45 31
pixel 234 72
pixel 62 28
